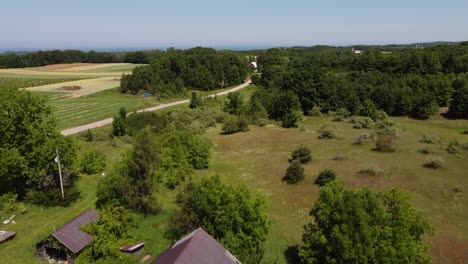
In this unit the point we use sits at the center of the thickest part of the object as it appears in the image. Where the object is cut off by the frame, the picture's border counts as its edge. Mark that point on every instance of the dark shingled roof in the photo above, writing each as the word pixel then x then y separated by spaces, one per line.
pixel 70 234
pixel 197 247
pixel 6 235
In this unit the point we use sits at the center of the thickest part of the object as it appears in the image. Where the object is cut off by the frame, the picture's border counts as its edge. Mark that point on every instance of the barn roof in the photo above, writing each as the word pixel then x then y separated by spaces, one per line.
pixel 70 234
pixel 197 247
pixel 6 235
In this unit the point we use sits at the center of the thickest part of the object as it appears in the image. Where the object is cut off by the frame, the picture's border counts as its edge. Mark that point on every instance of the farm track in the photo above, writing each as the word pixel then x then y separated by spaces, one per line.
pixel 75 130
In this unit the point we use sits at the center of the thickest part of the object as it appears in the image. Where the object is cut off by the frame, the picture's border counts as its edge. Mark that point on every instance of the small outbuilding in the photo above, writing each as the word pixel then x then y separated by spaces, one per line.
pixel 68 242
pixel 135 249
pixel 195 248
pixel 6 235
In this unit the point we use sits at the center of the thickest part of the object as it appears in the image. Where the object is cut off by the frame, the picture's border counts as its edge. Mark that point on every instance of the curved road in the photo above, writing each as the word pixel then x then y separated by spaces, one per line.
pixel 74 130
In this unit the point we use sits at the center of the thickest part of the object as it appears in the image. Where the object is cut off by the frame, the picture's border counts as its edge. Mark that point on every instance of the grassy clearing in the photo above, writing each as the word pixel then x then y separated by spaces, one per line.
pixel 259 158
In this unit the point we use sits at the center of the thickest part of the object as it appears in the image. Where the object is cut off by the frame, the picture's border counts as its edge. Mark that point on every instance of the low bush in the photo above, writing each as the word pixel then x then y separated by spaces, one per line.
pixel 325 177
pixel 315 111
pixel 235 124
pixel 426 151
pixel 371 171
pixel 465 132
pixel 386 142
pixel 339 158
pixel 291 120
pixel 92 162
pixel 429 139
pixel 433 162
pixel 303 154
pixel 10 205
pixel 327 132
pixel 363 139
pixel 360 122
pixel 294 172
pixel 454 147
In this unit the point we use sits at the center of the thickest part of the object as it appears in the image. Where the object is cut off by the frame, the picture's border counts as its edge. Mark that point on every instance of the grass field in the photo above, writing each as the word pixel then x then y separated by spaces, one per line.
pixel 72 112
pixel 259 158
pixel 10 82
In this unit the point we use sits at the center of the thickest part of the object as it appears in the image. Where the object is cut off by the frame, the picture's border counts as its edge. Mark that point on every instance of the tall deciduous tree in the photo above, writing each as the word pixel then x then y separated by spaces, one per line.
pixel 27 149
pixel 237 220
pixel 363 226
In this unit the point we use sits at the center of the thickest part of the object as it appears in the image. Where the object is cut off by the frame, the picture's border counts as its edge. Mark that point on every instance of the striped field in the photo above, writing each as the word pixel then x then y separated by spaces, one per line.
pixel 72 112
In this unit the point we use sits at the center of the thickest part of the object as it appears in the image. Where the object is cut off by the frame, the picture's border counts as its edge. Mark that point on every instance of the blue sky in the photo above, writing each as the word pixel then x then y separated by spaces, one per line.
pixel 98 24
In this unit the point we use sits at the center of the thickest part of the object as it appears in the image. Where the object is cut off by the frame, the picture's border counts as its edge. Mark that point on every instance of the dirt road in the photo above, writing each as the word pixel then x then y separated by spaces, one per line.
pixel 74 130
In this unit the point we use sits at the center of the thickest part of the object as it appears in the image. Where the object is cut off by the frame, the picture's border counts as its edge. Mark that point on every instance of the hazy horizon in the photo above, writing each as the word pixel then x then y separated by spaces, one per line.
pixel 119 25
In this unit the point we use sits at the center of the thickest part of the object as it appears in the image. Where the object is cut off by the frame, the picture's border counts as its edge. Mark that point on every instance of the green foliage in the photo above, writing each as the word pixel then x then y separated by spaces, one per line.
pixel 176 71
pixel 433 162
pixel 424 106
pixel 27 147
pixel 325 177
pixel 255 111
pixel 363 226
pixel 386 142
pixel 368 109
pixel 429 139
pixel 235 124
pixel 131 184
pixel 294 173
pixel 459 105
pixel 93 162
pixel 361 122
pixel 235 104
pixel 119 128
pixel 302 154
pixel 199 151
pixel 291 119
pixel 454 147
pixel 113 230
pixel 195 101
pixel 234 218
pixel 327 132
pixel 315 111
pixel 10 205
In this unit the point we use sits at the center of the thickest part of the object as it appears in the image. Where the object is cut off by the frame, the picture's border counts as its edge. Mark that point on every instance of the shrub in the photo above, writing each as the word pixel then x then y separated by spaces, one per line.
pixel 362 122
pixel 243 123
pixel 294 172
pixel 92 162
pixel 315 111
pixel 454 147
pixel 195 101
pixel 426 151
pixel 371 171
pixel 327 132
pixel 339 158
pixel 429 139
pixel 119 127
pixel 343 112
pixel 325 177
pixel 363 139
pixel 433 162
pixel 303 154
pixel 290 119
pixel 9 204
pixel 230 125
pixel 386 142
pixel 465 132
pixel 261 122
pixel 235 124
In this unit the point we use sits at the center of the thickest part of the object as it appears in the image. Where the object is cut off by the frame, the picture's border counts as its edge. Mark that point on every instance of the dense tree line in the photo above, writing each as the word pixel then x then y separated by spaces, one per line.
pixel 412 82
pixel 41 58
pixel 175 71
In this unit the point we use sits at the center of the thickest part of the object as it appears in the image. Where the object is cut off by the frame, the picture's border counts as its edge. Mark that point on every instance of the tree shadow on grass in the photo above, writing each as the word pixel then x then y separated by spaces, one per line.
pixel 292 254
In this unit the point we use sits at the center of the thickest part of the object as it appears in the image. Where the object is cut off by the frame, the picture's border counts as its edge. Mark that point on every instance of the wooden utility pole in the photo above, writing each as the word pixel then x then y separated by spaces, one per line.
pixel 57 159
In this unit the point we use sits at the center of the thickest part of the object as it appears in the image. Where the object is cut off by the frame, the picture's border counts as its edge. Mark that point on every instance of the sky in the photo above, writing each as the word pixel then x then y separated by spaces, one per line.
pixel 124 24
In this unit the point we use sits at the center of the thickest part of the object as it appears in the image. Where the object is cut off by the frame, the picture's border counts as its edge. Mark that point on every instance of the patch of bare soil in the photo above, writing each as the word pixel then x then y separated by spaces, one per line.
pixel 70 88
pixel 449 249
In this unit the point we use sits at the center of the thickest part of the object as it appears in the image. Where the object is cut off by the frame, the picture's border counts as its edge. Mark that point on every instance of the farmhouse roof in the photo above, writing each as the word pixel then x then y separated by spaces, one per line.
pixel 6 235
pixel 196 247
pixel 70 234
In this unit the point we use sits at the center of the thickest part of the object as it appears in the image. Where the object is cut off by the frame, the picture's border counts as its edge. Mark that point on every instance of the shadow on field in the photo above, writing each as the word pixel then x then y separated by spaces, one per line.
pixel 292 254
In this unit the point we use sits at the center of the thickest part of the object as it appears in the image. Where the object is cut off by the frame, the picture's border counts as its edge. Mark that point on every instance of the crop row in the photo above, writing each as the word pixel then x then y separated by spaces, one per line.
pixel 8 82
